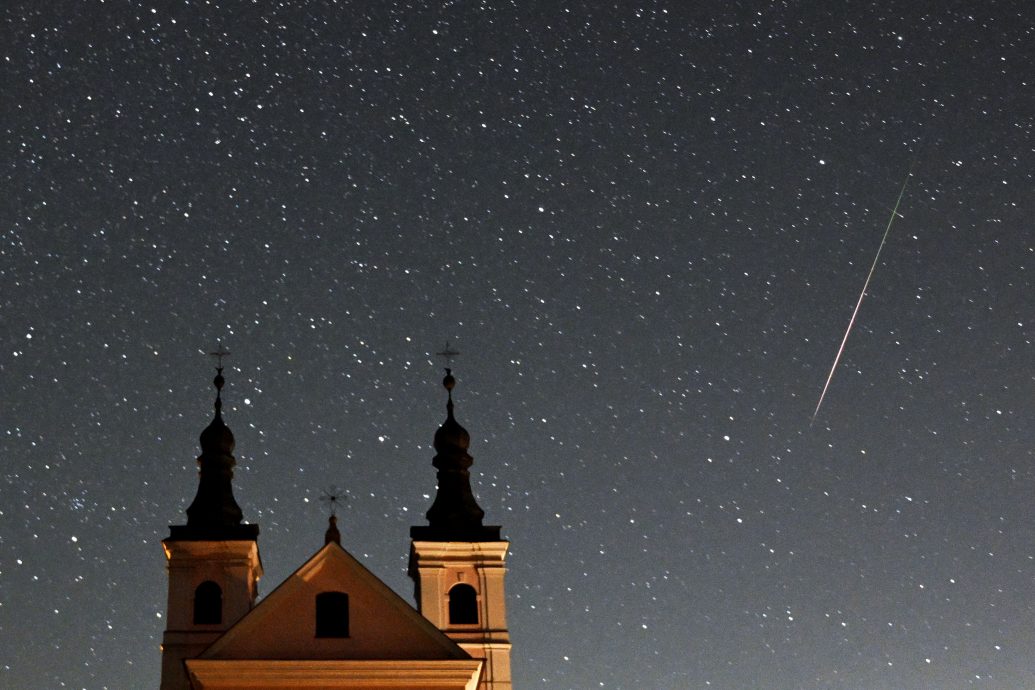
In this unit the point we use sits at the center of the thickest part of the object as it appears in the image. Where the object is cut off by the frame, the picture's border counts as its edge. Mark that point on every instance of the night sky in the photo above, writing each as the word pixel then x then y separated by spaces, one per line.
pixel 644 226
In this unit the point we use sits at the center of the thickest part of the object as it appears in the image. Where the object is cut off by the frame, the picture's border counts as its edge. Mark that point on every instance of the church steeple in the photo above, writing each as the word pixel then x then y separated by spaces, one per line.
pixel 458 565
pixel 213 560
pixel 214 507
pixel 455 514
pixel 214 513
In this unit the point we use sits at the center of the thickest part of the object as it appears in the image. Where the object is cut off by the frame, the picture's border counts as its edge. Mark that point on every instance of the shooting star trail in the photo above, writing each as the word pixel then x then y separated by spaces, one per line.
pixel 862 294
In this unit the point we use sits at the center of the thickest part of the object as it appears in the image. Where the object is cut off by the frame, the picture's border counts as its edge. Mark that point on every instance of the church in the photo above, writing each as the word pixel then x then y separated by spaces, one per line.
pixel 333 625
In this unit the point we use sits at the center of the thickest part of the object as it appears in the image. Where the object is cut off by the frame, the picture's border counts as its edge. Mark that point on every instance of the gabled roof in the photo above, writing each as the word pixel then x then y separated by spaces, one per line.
pixel 382 625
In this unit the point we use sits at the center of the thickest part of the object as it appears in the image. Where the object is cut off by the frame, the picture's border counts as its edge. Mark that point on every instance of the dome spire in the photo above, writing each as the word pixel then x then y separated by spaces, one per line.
pixel 449 383
pixel 219 381
pixel 455 514
pixel 214 513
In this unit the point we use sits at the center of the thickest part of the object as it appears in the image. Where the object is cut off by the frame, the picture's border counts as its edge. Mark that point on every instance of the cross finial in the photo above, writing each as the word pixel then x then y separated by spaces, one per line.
pixel 219 354
pixel 449 354
pixel 331 496
pixel 218 381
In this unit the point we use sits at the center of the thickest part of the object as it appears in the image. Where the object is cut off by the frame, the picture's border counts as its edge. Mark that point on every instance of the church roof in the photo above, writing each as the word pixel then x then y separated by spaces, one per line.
pixel 381 624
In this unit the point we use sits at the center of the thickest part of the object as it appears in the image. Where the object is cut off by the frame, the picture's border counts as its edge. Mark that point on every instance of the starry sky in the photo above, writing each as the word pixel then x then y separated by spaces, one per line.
pixel 644 226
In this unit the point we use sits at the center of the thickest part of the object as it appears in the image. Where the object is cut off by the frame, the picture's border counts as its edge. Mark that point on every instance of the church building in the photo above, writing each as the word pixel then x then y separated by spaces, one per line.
pixel 333 625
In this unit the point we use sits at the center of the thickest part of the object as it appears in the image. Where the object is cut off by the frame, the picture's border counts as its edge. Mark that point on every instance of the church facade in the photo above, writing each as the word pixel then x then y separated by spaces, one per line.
pixel 332 624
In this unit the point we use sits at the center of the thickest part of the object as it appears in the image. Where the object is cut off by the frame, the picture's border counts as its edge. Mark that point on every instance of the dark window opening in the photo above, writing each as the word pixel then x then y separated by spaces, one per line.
pixel 463 605
pixel 208 604
pixel 332 614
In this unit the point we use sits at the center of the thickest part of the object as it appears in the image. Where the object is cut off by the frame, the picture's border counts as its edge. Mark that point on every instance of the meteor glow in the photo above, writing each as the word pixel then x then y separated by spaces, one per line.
pixel 862 294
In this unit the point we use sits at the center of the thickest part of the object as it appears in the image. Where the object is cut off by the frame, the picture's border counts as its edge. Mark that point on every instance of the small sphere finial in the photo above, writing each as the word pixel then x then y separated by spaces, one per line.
pixel 449 382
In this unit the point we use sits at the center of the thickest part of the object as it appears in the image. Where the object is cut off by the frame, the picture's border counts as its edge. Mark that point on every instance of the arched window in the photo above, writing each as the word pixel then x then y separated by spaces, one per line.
pixel 463 605
pixel 332 614
pixel 208 604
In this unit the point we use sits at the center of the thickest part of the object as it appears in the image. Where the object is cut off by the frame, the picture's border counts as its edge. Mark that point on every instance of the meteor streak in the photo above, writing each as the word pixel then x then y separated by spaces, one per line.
pixel 862 294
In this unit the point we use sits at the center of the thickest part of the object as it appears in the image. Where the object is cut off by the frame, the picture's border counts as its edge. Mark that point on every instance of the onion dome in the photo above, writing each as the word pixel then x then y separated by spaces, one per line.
pixel 214 514
pixel 451 439
pixel 455 514
pixel 217 437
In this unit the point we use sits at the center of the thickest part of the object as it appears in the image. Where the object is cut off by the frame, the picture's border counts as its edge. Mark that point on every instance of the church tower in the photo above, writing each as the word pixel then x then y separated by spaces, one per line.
pixel 458 564
pixel 213 560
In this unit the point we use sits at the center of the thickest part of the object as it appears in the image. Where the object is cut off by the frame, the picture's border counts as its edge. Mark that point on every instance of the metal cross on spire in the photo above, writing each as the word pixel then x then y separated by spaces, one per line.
pixel 449 354
pixel 331 496
pixel 218 381
pixel 219 354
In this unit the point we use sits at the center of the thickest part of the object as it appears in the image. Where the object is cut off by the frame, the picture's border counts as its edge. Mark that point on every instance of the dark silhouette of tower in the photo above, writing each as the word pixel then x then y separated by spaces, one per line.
pixel 213 560
pixel 457 563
